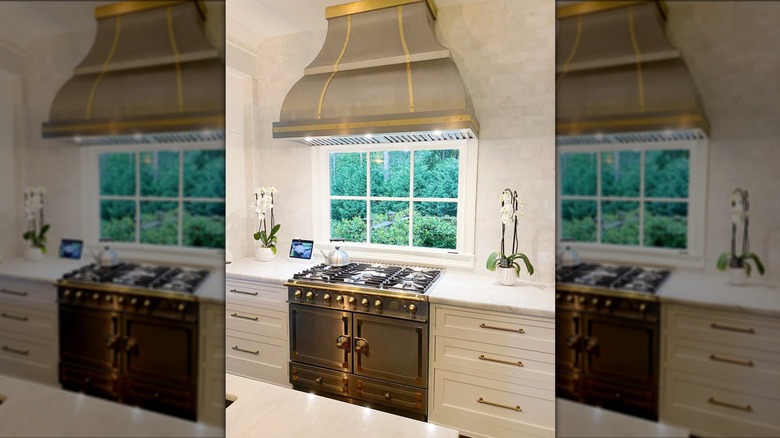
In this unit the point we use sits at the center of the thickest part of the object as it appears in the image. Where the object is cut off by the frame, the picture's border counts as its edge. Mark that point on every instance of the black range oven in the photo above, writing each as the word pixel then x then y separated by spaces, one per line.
pixel 359 333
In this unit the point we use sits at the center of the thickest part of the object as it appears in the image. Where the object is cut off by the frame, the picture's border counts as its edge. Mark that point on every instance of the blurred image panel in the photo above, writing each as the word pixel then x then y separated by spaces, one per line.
pixel 667 304
pixel 112 203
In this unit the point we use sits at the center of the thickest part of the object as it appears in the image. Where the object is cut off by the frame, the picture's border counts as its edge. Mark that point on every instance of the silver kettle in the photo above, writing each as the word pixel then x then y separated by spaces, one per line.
pixel 108 257
pixel 337 257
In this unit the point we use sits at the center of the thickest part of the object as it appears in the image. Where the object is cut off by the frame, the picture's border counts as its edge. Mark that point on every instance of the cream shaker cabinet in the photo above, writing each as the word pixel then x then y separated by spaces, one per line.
pixel 492 373
pixel 720 371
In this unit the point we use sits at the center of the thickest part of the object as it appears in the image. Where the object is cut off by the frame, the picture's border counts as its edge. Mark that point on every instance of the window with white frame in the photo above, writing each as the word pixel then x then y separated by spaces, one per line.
pixel 398 195
pixel 163 197
pixel 645 197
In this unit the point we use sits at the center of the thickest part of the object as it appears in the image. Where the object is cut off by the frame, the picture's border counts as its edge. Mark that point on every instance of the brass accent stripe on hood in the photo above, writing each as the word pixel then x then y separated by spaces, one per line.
pixel 372 5
pixel 177 56
pixel 88 113
pixel 571 53
pixel 335 67
pixel 639 78
pixel 684 120
pixel 408 58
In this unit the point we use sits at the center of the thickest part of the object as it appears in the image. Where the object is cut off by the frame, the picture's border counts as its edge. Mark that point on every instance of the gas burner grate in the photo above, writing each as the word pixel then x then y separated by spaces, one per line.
pixel 630 278
pixel 377 276
pixel 141 276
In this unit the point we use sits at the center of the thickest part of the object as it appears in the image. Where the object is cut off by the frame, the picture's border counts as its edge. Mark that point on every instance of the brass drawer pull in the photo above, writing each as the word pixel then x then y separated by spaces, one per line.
pixel 237 348
pixel 15 351
pixel 242 292
pixel 483 325
pixel 13 292
pixel 18 318
pixel 236 315
pixel 717 326
pixel 514 408
pixel 508 362
pixel 746 408
pixel 747 363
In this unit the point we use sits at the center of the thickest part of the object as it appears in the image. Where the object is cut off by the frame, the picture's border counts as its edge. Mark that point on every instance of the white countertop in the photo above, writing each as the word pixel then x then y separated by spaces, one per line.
pixel 262 409
pixel 51 268
pixel 712 290
pixel 36 410
pixel 578 420
pixel 454 288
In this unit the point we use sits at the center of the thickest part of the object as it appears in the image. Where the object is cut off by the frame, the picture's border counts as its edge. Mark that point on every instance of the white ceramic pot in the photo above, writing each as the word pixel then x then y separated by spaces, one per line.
pixel 737 276
pixel 33 253
pixel 506 276
pixel 264 254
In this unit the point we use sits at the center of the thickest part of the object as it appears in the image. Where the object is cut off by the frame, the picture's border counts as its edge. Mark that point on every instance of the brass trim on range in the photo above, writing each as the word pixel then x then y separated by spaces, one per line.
pixel 746 408
pixel 571 128
pixel 498 405
pixel 123 8
pixel 485 326
pixel 746 363
pixel 372 5
pixel 716 326
pixel 508 362
pixel 157 123
pixel 119 289
pixel 577 288
pixel 591 7
pixel 335 67
pixel 375 124
pixel 356 289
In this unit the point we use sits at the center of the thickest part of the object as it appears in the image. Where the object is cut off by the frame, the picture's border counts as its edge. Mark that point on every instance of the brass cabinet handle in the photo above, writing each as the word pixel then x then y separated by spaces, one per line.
pixel 361 346
pixel 236 315
pixel 15 351
pixel 717 326
pixel 746 408
pixel 237 348
pixel 318 380
pixel 18 318
pixel 508 362
pixel 242 292
pixel 14 292
pixel 485 326
pixel 498 405
pixel 747 363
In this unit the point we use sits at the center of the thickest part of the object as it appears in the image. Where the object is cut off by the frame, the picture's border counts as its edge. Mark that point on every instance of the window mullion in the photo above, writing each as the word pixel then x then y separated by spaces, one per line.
pixel 411 196
pixel 368 195
pixel 642 199
pixel 180 238
pixel 598 197
pixel 137 197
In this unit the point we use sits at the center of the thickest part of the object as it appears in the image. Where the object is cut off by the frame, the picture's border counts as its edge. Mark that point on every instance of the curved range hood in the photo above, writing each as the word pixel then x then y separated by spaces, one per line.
pixel 619 79
pixel 381 76
pixel 151 76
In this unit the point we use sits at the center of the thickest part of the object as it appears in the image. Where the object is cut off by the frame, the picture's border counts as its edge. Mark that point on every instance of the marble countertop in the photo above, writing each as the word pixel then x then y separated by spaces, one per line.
pixel 263 409
pixel 579 420
pixel 51 268
pixel 454 288
pixel 35 410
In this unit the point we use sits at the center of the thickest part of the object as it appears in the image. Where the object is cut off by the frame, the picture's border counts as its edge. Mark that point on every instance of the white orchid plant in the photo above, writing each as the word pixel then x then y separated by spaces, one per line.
pixel 263 206
pixel 739 215
pixel 33 212
pixel 510 214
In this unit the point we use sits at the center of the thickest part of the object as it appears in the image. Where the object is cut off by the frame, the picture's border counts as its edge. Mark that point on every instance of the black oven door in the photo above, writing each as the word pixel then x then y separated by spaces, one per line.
pixel 321 337
pixel 90 337
pixel 621 349
pixel 391 349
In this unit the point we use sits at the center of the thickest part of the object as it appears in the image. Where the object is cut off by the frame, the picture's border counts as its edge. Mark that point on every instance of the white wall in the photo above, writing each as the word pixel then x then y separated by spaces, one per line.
pixel 505 53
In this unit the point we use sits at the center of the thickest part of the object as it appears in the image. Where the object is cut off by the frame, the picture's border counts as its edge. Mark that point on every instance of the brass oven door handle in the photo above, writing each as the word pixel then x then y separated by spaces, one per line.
pixel 236 315
pixel 15 317
pixel 130 343
pixel 243 292
pixel 717 326
pixel 485 326
pixel 111 341
pixel 237 348
pixel 591 344
pixel 15 351
pixel 746 363
pixel 573 341
pixel 498 405
pixel 13 292
pixel 746 408
pixel 342 343
pixel 361 346
pixel 508 362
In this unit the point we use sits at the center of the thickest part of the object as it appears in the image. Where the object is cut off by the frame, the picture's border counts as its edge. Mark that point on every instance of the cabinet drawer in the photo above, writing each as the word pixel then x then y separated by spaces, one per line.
pixel 316 379
pixel 29 358
pixel 28 321
pixel 174 401
pixel 89 381
pixel 27 292
pixel 481 407
pixel 637 401
pixel 256 320
pixel 257 357
pixel 745 330
pixel 495 360
pixel 406 398
pixel 256 294
pixel 724 361
pixel 712 408
pixel 494 328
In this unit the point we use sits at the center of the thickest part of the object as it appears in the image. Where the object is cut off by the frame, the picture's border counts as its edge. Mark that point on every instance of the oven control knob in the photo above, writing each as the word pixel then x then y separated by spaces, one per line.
pixel 309 295
pixel 79 294
pixel 298 294
pixel 108 298
pixel 96 296
pixel 570 299
pixel 642 307
pixel 340 299
pixel 351 301
pixel 582 300
pixel 120 300
pixel 557 297
pixel 326 298
pixel 133 301
pixel 607 303
pixel 594 301
pixel 364 303
pixel 412 309
pixel 181 307
pixel 147 303
pixel 67 293
pixel 378 305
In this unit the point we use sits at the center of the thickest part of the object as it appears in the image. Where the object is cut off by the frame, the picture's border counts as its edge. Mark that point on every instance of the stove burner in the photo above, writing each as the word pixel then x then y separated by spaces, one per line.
pixel 141 276
pixel 635 279
pixel 377 276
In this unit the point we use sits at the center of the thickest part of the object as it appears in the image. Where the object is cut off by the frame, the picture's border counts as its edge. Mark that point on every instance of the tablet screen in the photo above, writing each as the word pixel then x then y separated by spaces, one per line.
pixel 71 249
pixel 301 249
